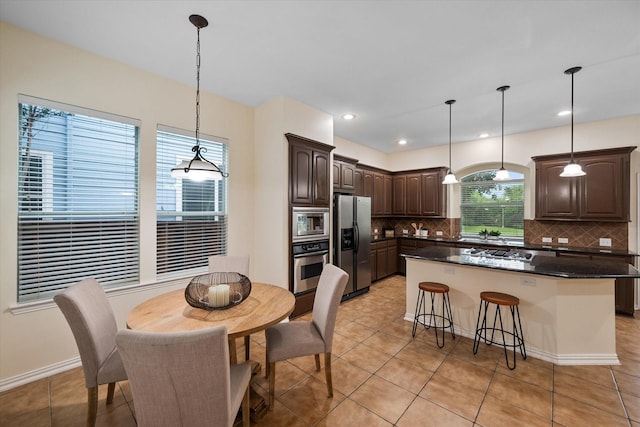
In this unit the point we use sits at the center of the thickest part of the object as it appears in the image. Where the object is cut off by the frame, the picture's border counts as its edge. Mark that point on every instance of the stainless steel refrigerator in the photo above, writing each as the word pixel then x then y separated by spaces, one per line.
pixel 352 240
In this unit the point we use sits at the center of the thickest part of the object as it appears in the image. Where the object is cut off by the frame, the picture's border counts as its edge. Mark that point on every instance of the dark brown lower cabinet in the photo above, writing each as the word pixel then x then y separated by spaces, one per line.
pixel 384 256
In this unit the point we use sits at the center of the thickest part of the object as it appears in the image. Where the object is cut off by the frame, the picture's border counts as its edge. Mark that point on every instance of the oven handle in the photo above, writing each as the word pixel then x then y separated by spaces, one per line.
pixel 311 254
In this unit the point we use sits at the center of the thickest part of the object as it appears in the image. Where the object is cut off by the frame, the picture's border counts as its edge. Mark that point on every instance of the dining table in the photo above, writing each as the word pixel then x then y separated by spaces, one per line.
pixel 265 306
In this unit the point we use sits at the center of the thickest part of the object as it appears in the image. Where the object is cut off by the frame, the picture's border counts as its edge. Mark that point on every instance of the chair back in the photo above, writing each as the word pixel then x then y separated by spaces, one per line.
pixel 232 263
pixel 87 310
pixel 179 378
pixel 325 307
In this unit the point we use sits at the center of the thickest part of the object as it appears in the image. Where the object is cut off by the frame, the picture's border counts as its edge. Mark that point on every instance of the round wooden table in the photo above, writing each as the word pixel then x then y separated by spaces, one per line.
pixel 266 305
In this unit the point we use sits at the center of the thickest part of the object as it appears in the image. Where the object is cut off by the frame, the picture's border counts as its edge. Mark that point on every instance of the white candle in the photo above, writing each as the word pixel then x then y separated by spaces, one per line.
pixel 213 293
pixel 223 295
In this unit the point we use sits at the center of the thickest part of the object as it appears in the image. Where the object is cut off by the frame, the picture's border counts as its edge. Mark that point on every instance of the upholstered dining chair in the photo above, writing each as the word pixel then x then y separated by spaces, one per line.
pixel 234 263
pixel 184 378
pixel 301 338
pixel 87 310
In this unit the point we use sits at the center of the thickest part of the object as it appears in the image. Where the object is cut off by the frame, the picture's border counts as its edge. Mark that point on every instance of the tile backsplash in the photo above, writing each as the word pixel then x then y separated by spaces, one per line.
pixel 579 234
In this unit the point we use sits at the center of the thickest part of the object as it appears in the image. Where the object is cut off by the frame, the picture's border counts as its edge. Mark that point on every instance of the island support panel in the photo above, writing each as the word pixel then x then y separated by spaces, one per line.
pixel 564 321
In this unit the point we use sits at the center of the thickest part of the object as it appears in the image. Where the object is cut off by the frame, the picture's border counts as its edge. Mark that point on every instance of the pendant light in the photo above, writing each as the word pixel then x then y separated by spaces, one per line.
pixel 503 174
pixel 450 178
pixel 572 169
pixel 198 168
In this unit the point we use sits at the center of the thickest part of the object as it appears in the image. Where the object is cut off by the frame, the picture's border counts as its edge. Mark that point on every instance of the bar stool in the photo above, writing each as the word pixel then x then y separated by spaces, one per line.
pixel 500 299
pixel 446 318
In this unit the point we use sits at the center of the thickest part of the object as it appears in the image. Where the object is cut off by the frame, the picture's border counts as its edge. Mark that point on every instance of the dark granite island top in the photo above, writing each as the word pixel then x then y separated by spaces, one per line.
pixel 542 263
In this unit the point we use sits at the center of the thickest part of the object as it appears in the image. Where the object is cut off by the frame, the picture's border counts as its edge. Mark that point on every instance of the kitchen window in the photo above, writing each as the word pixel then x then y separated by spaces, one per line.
pixel 77 198
pixel 191 215
pixel 494 206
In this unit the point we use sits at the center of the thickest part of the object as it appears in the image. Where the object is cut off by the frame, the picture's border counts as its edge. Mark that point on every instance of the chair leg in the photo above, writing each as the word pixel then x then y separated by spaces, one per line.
pixel 327 373
pixel 317 357
pixel 247 341
pixel 246 421
pixel 272 384
pixel 110 392
pixel 92 410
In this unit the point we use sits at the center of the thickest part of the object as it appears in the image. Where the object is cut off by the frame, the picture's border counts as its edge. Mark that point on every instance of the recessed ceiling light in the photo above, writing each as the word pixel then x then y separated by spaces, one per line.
pixel 348 116
pixel 402 142
pixel 565 113
pixel 483 135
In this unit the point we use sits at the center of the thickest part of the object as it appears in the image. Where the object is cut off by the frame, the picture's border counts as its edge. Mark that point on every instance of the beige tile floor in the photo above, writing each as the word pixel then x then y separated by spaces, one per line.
pixel 383 377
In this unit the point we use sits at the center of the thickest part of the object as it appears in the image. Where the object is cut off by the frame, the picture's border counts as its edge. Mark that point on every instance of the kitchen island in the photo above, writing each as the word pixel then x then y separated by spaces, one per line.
pixel 566 305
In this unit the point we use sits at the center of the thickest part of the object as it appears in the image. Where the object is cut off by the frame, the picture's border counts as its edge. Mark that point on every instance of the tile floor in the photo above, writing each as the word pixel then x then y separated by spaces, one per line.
pixel 383 377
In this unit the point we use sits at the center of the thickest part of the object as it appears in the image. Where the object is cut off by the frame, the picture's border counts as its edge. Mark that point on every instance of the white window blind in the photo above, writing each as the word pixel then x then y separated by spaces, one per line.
pixel 191 216
pixel 77 198
pixel 496 206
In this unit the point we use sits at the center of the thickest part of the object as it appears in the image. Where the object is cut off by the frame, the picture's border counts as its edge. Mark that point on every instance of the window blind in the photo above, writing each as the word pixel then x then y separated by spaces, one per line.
pixel 496 206
pixel 77 199
pixel 191 216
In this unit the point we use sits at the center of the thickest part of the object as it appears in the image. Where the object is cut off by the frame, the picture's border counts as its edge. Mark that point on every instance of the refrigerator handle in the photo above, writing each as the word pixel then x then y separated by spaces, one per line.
pixel 356 236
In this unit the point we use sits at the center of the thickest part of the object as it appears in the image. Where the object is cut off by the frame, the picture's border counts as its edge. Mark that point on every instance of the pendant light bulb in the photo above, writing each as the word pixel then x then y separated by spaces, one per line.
pixel 450 178
pixel 502 174
pixel 198 168
pixel 572 168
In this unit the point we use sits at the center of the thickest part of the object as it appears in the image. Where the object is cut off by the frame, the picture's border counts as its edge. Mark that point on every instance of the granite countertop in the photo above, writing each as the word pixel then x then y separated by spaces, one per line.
pixel 519 245
pixel 542 263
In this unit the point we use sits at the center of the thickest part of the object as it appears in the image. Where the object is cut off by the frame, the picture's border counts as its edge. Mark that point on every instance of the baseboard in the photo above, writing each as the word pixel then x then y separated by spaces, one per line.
pixel 38 374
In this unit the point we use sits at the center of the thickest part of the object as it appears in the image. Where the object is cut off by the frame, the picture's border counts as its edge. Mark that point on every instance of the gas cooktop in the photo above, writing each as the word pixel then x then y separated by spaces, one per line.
pixel 514 254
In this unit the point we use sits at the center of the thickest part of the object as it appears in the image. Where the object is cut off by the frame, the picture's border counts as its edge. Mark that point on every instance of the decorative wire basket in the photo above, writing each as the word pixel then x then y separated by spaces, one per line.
pixel 217 291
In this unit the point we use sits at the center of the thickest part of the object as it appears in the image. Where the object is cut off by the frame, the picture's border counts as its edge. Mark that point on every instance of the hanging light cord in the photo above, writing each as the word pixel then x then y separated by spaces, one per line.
pixel 572 115
pixel 198 90
pixel 502 158
pixel 450 102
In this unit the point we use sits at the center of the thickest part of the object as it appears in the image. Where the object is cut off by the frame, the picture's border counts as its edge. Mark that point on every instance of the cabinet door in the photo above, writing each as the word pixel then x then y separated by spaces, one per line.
pixel 358 178
pixel 321 190
pixel 374 265
pixel 412 195
pixel 556 197
pixel 382 262
pixel 399 186
pixel 378 194
pixel 368 185
pixel 347 178
pixel 432 195
pixel 392 258
pixel 388 195
pixel 603 189
pixel 336 175
pixel 301 175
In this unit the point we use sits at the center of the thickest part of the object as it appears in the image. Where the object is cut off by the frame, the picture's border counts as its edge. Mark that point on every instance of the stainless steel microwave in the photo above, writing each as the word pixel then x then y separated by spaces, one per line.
pixel 309 224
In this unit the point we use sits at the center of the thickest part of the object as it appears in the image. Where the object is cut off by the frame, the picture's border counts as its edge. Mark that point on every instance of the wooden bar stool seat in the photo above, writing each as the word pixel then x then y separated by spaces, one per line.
pixel 444 320
pixel 482 329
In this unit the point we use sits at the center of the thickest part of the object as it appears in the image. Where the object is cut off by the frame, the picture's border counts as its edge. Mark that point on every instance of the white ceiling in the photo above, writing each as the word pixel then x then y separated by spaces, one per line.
pixel 392 63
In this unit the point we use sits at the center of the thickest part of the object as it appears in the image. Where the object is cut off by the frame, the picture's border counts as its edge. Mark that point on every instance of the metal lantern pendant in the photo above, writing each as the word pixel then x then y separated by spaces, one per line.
pixel 572 169
pixel 198 168
pixel 450 178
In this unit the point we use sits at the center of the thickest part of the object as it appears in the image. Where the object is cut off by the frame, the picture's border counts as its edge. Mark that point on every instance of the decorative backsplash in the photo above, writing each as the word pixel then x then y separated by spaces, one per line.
pixel 580 234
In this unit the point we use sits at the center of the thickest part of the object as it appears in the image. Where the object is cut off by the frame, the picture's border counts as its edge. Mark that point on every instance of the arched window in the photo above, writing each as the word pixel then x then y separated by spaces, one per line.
pixel 492 207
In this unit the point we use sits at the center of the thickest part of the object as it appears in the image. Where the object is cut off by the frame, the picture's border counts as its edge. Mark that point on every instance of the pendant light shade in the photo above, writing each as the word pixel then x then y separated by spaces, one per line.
pixel 450 178
pixel 198 168
pixel 503 174
pixel 572 169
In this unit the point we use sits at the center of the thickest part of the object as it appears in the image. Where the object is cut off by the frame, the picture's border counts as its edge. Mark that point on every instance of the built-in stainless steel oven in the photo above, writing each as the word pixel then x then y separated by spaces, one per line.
pixel 309 224
pixel 309 259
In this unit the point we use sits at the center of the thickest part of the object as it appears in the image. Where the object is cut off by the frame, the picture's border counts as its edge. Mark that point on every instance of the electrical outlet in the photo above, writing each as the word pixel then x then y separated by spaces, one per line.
pixel 405 231
pixel 438 233
pixel 449 270
pixel 528 281
pixel 547 240
pixel 563 240
pixel 605 242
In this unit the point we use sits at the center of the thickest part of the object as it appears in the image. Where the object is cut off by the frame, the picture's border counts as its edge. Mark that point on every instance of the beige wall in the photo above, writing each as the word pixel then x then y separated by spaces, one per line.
pixel 37 342
pixel 43 68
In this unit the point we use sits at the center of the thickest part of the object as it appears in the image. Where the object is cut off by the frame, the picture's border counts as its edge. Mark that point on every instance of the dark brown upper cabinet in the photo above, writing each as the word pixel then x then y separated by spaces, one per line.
pixel 309 171
pixel 601 195
pixel 433 194
pixel 344 174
